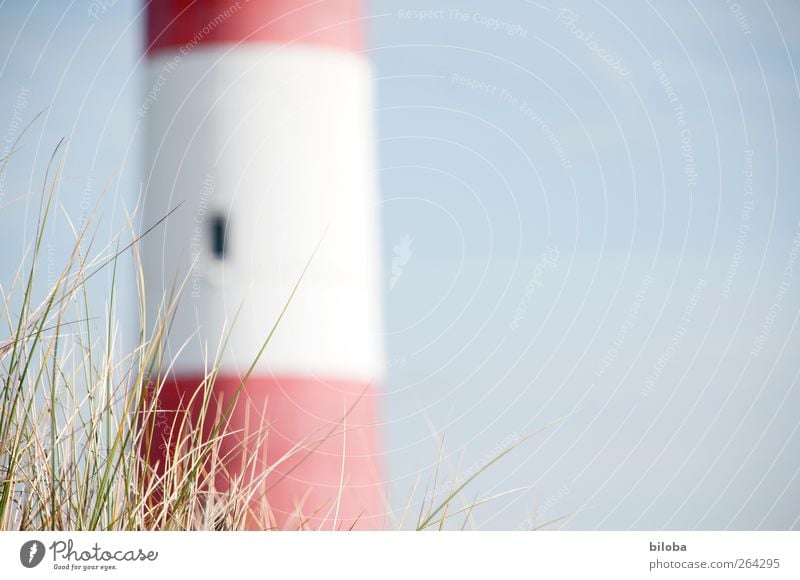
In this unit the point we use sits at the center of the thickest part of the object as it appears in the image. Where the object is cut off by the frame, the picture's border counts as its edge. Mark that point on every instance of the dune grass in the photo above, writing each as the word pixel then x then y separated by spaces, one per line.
pixel 77 413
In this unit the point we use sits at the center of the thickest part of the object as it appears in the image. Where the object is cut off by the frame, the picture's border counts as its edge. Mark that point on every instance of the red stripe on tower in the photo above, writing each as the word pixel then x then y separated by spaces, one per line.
pixel 260 129
pixel 332 23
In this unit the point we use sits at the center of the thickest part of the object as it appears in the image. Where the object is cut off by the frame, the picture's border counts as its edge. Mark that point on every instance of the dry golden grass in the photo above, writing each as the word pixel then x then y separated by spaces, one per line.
pixel 76 414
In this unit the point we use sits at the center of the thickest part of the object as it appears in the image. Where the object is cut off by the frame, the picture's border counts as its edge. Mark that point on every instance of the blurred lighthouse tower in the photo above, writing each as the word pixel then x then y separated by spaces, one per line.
pixel 259 126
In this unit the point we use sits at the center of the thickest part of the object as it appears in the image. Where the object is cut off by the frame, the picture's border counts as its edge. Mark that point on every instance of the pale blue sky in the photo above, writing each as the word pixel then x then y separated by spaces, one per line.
pixel 504 132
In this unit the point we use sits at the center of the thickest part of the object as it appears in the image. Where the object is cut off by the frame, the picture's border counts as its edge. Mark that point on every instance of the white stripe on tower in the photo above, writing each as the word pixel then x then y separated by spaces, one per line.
pixel 260 128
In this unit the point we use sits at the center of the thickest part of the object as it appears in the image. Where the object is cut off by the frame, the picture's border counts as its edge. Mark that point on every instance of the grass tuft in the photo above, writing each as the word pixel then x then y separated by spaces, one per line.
pixel 77 415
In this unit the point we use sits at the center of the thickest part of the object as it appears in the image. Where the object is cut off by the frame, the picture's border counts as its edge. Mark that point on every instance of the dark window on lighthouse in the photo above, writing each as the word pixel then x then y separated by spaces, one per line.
pixel 218 236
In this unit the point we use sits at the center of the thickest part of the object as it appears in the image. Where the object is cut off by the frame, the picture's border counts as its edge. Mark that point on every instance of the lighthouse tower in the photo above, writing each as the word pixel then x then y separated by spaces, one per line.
pixel 259 127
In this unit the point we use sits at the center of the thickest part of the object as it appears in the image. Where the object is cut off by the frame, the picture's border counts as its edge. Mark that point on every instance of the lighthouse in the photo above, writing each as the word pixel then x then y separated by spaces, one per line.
pixel 259 135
